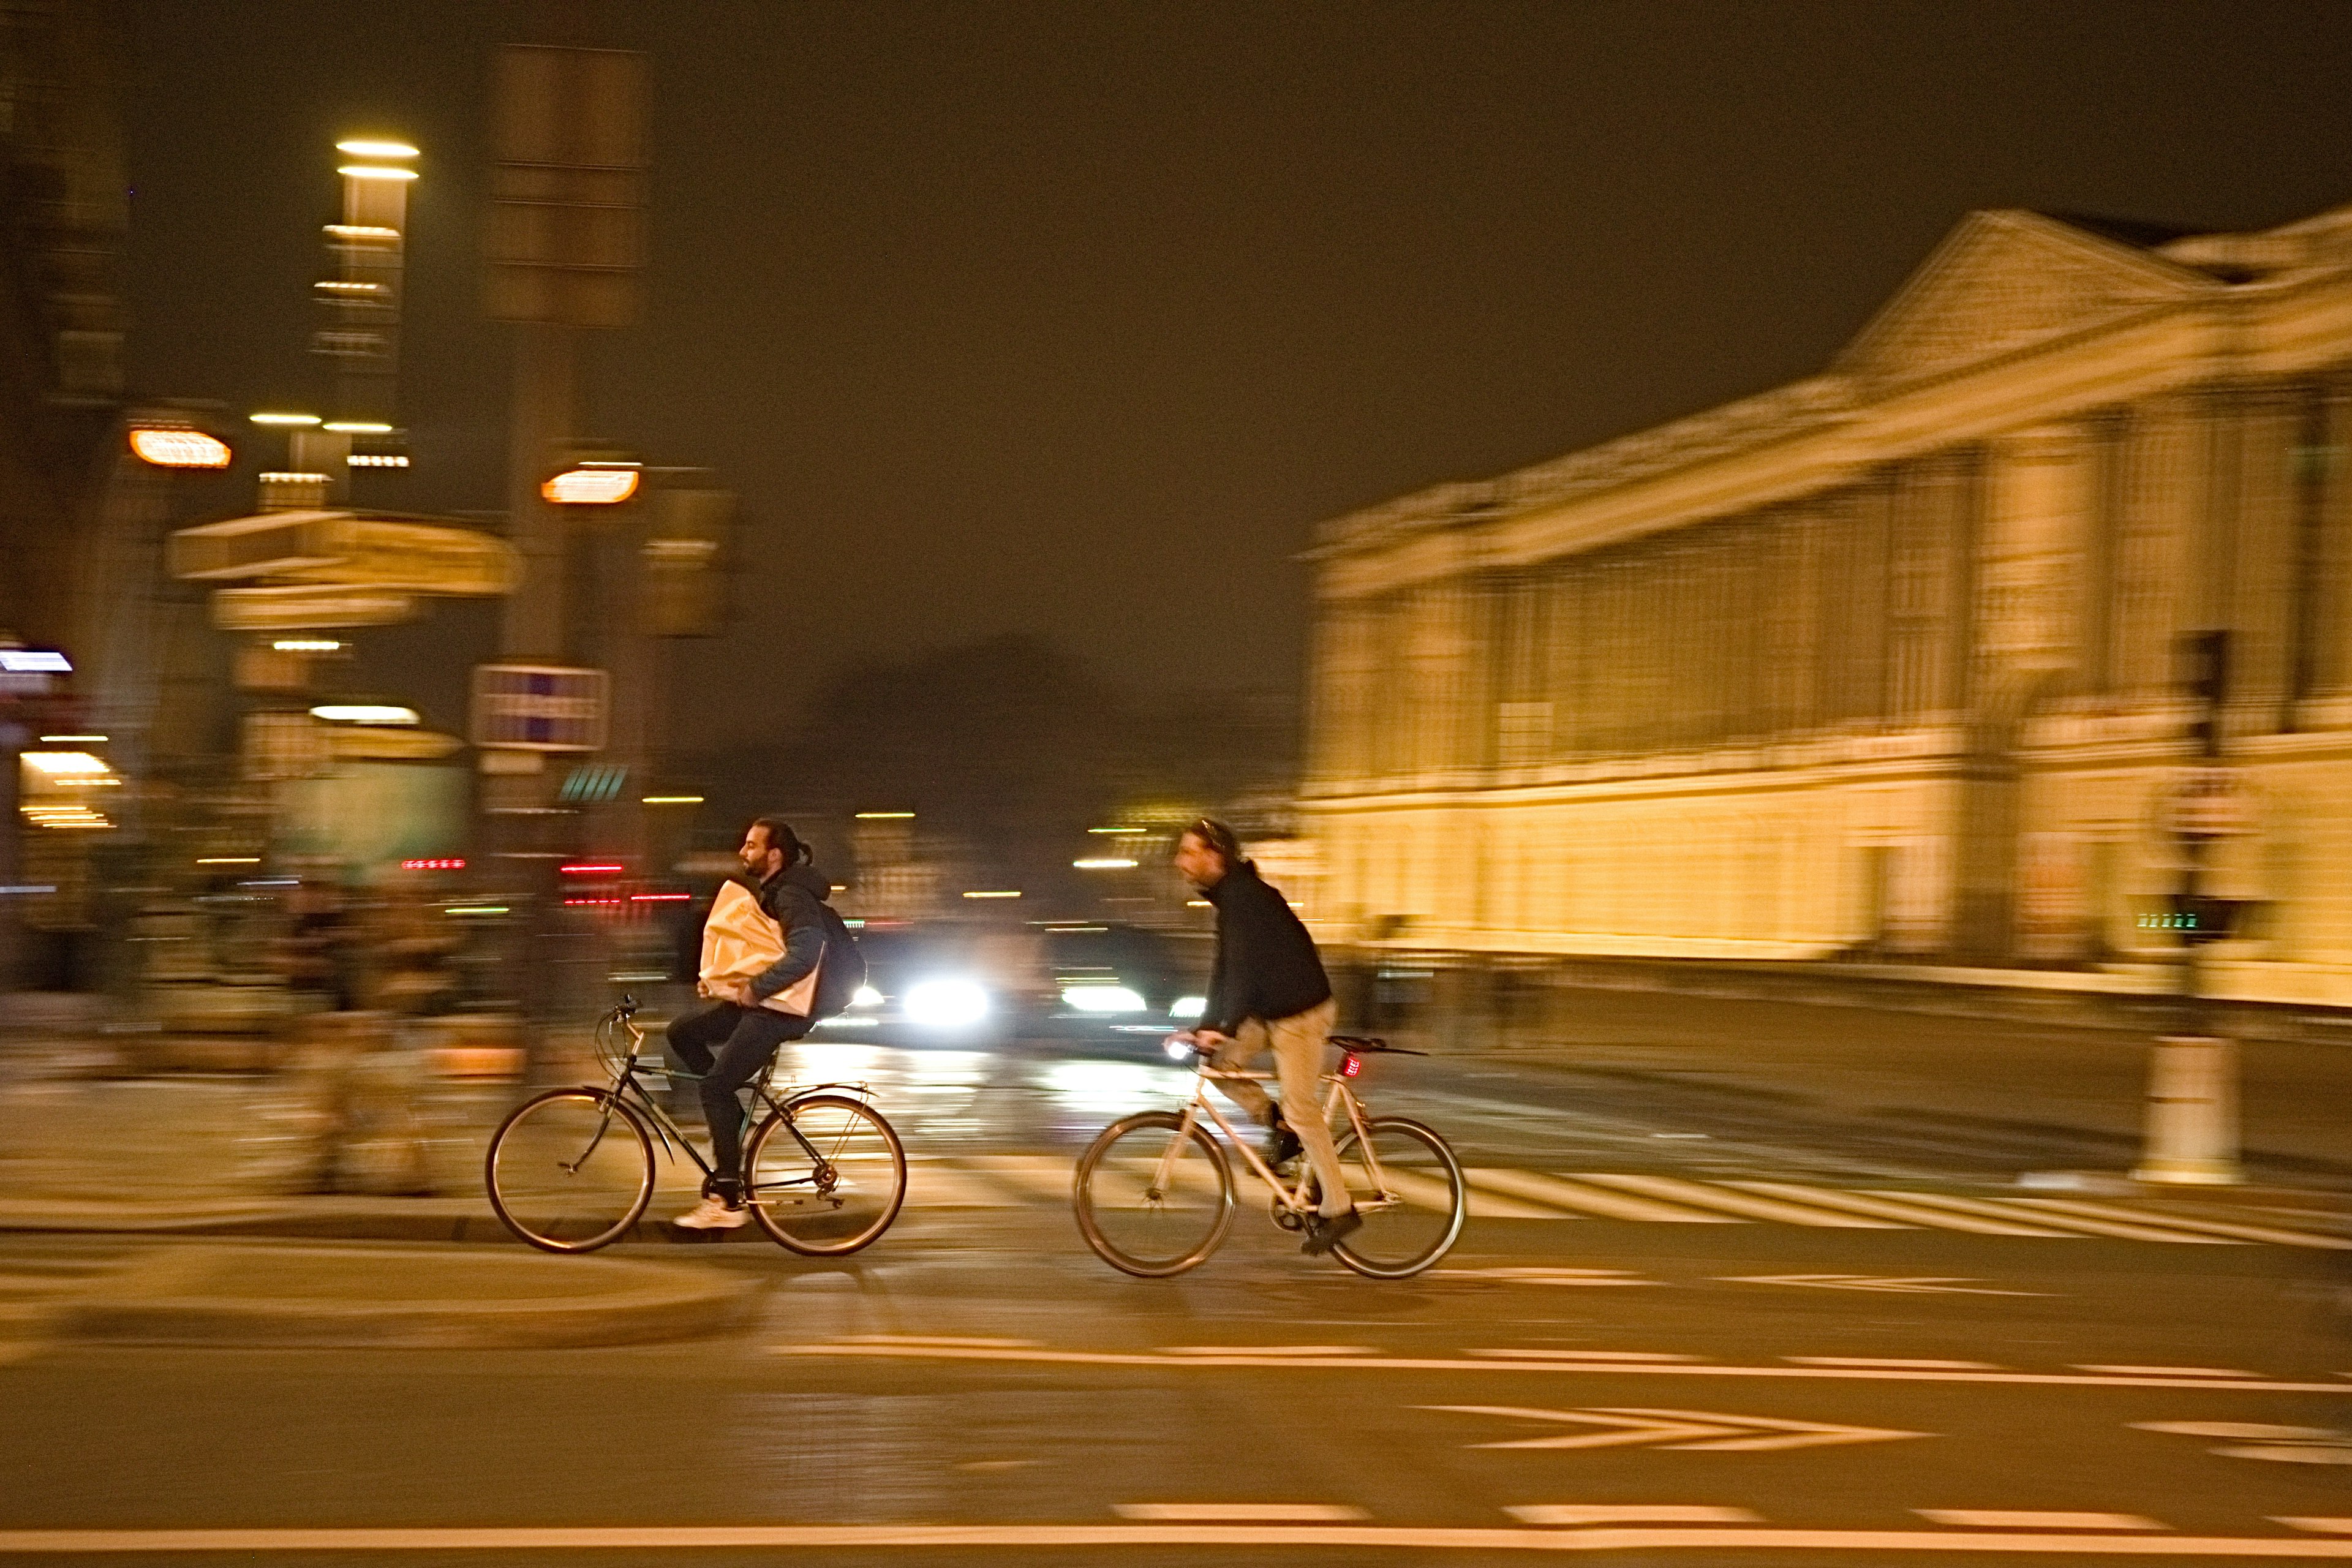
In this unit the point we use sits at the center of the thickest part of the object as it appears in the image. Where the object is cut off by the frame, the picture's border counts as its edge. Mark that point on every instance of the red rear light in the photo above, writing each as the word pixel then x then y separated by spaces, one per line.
pixel 1350 1065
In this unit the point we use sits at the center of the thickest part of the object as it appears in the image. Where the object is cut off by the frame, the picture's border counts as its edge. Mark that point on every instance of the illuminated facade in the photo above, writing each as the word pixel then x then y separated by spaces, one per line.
pixel 1881 664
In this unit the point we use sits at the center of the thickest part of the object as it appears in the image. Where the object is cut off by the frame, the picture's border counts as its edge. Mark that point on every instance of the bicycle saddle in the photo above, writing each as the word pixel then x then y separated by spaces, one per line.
pixel 1361 1043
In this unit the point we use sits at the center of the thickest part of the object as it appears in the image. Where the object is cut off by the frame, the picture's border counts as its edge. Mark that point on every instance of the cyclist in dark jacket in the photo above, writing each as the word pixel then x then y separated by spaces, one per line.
pixel 1267 988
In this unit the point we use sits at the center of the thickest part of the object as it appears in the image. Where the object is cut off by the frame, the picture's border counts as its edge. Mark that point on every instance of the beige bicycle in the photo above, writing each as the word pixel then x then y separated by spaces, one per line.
pixel 1154 1193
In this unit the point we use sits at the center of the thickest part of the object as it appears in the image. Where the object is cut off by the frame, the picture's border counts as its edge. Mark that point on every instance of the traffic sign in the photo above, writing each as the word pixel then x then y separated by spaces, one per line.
pixel 540 707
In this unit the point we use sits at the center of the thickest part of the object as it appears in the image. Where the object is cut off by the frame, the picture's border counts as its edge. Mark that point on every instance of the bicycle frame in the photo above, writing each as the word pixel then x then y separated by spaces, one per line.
pixel 626 1090
pixel 1293 1200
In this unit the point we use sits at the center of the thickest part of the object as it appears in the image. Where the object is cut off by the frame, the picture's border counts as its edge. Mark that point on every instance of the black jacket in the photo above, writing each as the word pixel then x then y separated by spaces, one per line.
pixel 790 898
pixel 1266 965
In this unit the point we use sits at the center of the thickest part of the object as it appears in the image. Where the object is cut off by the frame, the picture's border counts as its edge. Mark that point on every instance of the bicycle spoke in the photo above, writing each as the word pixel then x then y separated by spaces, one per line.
pixel 569 1170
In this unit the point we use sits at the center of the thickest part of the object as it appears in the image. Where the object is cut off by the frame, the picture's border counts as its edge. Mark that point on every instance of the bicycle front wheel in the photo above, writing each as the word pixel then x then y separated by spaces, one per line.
pixel 1408 1186
pixel 1154 1196
pixel 571 1170
pixel 832 1188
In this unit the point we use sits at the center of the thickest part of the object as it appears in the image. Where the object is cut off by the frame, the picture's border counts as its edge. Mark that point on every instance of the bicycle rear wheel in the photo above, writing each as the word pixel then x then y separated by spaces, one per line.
pixel 1413 1210
pixel 1154 1197
pixel 571 1170
pixel 839 1201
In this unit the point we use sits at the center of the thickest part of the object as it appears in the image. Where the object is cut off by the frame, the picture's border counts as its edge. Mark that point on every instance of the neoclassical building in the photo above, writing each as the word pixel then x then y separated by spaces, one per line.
pixel 1881 664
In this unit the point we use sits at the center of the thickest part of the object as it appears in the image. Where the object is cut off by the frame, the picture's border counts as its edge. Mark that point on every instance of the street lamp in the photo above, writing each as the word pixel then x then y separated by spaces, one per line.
pixel 592 484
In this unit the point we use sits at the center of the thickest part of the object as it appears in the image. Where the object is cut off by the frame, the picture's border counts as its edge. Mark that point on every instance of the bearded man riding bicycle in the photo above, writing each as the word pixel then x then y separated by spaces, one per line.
pixel 1267 988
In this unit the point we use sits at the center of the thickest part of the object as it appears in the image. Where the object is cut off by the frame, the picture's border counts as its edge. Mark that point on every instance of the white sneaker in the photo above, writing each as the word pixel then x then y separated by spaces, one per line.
pixel 713 1213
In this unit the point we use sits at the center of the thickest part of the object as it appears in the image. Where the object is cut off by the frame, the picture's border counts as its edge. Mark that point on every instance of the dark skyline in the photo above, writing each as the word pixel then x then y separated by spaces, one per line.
pixel 1075 319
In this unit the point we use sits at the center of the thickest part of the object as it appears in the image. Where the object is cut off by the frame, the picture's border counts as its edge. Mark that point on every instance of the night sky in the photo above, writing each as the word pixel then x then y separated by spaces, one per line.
pixel 1075 318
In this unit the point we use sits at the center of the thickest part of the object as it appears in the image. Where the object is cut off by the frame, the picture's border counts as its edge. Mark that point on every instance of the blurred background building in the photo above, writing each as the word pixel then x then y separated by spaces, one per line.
pixel 1880 665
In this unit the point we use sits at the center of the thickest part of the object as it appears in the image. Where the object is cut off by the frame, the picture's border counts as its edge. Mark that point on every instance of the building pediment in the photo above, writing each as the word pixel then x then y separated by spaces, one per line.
pixel 2003 280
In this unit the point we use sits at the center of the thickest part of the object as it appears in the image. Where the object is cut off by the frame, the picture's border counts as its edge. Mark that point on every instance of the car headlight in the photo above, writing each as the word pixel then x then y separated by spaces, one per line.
pixel 866 996
pixel 1188 1006
pixel 1102 999
pixel 946 1003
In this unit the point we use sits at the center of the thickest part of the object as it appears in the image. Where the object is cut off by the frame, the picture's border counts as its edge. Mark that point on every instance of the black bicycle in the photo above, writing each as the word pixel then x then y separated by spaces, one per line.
pixel 573 1169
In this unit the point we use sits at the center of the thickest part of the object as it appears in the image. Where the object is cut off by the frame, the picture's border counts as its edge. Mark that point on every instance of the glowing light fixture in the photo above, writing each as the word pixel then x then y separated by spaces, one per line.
pixel 1122 832
pixel 886 816
pixel 1101 999
pixel 866 996
pixel 1104 863
pixel 63 764
pixel 269 418
pixel 33 661
pixel 994 893
pixel 171 448
pixel 946 1003
pixel 594 485
pixel 228 859
pixel 364 713
pixel 66 739
pixel 358 427
pixel 362 231
pixel 361 148
pixel 374 172
pixel 307 645
pixel 669 800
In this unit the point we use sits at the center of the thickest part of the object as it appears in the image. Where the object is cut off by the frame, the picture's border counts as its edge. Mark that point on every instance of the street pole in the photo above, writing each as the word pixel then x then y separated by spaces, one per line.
pixel 2192 1091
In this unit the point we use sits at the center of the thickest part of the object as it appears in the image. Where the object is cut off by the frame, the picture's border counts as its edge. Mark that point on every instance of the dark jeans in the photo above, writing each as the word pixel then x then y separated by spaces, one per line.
pixel 727 1045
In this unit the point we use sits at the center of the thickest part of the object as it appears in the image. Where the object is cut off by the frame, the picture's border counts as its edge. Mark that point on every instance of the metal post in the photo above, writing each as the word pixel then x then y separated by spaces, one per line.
pixel 2192 1099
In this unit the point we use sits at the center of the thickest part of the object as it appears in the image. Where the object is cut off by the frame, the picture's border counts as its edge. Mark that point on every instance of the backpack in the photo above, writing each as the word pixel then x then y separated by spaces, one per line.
pixel 842 968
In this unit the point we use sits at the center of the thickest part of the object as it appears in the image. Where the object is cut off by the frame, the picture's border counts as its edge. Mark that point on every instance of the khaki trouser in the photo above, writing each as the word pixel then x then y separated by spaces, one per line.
pixel 1297 1043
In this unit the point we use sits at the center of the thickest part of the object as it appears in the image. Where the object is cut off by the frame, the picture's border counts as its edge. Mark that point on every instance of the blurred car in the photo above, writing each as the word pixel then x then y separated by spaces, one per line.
pixel 958 983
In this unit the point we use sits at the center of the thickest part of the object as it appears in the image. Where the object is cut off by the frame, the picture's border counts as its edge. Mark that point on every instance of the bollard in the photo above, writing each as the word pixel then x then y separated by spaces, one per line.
pixel 2192 1113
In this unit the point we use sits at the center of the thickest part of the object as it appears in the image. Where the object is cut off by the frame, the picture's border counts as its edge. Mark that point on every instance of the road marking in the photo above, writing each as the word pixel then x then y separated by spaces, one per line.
pixel 2242 1430
pixel 1747 1204
pixel 2254 1440
pixel 941 1340
pixel 1589 1355
pixel 2336 1453
pixel 1240 1513
pixel 1580 1195
pixel 1042 1357
pixel 1678 1431
pixel 2128 1231
pixel 1926 1364
pixel 2163 1371
pixel 2021 1518
pixel 1910 1285
pixel 2324 1526
pixel 2213 1226
pixel 1543 1276
pixel 1900 1208
pixel 1485 1197
pixel 1711 1539
pixel 1040 1175
pixel 1270 1349
pixel 1629 1513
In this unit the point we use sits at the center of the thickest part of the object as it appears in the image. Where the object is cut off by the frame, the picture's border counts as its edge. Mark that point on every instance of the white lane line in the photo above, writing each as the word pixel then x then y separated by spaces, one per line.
pixel 1270 1349
pixel 2240 1431
pixel 2124 1370
pixel 946 1187
pixel 1744 1203
pixel 1892 1361
pixel 2211 1227
pixel 1629 1513
pixel 1908 1213
pixel 1597 1357
pixel 1993 1209
pixel 1497 1363
pixel 1542 1275
pixel 962 1342
pixel 1355 1538
pixel 1240 1513
pixel 1576 1193
pixel 2026 1519
pixel 2323 1526
pixel 1487 1199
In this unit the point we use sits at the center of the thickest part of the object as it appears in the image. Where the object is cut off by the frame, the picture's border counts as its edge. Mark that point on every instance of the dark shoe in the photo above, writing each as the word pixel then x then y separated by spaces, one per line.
pixel 1323 1235
pixel 1282 1145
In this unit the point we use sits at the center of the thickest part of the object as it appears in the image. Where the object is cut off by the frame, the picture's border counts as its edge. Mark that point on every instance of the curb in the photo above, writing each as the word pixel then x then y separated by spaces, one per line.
pixel 266 1298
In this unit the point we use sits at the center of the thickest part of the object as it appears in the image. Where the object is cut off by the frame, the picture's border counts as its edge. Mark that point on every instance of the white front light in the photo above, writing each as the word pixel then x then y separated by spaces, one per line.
pixel 1188 1006
pixel 1101 999
pixel 867 997
pixel 946 1003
